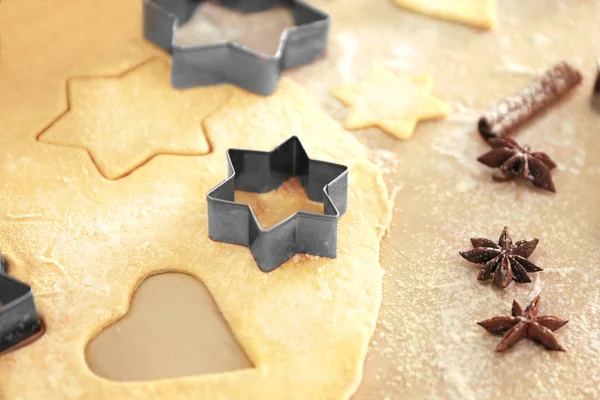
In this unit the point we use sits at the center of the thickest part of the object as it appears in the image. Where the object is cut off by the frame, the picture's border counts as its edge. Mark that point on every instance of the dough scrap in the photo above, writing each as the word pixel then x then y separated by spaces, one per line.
pixel 391 102
pixel 478 13
pixel 305 326
pixel 124 121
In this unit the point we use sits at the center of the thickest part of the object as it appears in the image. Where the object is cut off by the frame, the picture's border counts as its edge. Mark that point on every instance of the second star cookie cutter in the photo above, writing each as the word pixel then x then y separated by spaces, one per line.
pixel 230 62
pixel 19 319
pixel 261 172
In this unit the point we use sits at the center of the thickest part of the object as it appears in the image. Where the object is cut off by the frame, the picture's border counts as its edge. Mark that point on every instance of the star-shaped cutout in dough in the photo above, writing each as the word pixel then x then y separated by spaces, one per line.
pixel 124 121
pixel 391 102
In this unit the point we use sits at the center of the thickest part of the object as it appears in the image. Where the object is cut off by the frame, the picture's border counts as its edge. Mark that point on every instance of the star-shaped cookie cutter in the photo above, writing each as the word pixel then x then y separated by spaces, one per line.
pixel 18 314
pixel 261 172
pixel 230 62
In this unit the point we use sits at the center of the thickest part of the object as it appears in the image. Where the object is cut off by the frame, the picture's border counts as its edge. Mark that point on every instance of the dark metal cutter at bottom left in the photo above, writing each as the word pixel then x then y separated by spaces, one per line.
pixel 19 319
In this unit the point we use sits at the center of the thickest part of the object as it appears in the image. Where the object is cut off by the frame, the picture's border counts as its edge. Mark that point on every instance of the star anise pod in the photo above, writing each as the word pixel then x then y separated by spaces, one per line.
pixel 504 261
pixel 515 161
pixel 525 324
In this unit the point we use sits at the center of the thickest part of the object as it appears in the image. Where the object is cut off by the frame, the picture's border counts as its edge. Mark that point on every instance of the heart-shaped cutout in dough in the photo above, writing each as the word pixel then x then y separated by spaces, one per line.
pixel 173 328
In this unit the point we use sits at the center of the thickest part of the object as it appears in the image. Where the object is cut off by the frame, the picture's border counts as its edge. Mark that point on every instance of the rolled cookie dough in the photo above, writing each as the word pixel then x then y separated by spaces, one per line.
pixel 477 13
pixel 151 117
pixel 85 243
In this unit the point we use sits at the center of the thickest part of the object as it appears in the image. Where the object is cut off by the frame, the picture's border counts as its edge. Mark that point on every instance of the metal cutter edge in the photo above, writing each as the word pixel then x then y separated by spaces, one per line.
pixel 230 62
pixel 263 171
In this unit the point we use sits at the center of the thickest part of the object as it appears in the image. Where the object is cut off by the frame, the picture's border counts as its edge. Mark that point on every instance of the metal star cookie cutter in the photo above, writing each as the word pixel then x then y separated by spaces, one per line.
pixel 18 315
pixel 261 172
pixel 230 62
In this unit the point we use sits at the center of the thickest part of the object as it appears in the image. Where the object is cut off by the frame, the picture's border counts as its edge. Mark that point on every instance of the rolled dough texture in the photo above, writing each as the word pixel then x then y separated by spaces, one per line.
pixel 84 243
pixel 477 13
pixel 151 117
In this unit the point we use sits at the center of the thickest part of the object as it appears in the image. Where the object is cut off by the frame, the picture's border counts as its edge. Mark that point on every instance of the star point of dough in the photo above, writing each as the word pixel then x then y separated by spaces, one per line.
pixel 394 103
pixel 124 121
pixel 478 13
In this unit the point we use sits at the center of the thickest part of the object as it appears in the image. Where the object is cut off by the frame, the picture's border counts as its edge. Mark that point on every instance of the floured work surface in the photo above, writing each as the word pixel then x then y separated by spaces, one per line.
pixel 427 343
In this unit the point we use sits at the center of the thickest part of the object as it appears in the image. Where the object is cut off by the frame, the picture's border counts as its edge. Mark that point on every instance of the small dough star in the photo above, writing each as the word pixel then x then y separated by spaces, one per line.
pixel 124 121
pixel 391 102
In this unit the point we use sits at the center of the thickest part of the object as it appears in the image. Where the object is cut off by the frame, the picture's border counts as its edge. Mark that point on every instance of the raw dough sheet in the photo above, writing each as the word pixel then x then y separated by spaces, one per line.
pixel 85 242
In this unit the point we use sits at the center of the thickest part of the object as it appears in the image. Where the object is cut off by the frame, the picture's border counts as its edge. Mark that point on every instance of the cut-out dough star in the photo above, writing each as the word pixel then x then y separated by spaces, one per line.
pixel 393 103
pixel 477 13
pixel 126 120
